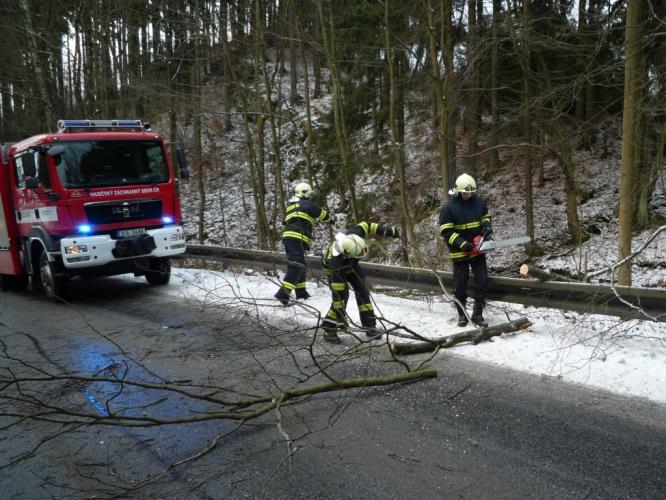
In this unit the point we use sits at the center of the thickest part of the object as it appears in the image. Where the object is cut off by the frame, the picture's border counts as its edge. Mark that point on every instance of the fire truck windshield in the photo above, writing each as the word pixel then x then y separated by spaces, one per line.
pixel 89 164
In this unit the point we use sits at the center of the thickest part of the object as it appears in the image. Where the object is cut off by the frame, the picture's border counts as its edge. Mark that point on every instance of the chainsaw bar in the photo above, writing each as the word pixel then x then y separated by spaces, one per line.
pixel 493 244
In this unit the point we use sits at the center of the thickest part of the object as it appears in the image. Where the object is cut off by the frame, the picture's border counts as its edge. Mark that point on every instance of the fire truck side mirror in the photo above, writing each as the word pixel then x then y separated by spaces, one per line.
pixel 183 166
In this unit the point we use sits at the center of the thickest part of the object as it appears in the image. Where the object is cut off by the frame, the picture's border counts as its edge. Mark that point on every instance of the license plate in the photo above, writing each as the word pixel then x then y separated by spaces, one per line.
pixel 125 233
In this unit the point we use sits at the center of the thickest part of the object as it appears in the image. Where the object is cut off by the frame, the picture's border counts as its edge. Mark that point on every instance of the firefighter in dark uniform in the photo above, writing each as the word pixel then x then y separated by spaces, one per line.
pixel 301 214
pixel 463 218
pixel 342 267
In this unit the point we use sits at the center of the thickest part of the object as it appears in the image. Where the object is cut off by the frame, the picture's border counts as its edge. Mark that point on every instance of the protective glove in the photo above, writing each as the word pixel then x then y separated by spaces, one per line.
pixel 466 246
pixel 487 232
pixel 476 244
pixel 388 230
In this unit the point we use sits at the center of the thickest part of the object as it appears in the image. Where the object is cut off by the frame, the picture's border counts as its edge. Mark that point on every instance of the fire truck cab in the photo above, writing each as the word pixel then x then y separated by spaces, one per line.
pixel 96 198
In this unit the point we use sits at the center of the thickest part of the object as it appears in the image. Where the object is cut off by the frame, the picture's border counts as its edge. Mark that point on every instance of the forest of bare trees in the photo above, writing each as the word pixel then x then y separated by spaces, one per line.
pixel 539 77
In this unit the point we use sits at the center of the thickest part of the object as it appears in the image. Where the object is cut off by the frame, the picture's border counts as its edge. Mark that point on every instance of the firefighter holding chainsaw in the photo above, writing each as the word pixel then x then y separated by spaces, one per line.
pixel 464 223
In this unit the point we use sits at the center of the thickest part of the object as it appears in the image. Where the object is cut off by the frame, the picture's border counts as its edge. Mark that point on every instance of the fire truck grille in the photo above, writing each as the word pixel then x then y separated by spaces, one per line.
pixel 106 213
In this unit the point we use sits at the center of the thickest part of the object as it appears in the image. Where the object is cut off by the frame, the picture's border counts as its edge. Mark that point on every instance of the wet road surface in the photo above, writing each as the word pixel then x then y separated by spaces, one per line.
pixel 476 431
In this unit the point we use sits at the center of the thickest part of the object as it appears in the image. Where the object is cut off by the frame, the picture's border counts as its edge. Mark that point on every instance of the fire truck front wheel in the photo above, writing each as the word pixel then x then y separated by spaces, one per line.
pixel 159 273
pixel 52 284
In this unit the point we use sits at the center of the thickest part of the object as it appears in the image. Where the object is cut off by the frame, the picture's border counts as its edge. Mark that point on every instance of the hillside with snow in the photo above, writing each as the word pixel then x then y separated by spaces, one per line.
pixel 624 356
pixel 230 215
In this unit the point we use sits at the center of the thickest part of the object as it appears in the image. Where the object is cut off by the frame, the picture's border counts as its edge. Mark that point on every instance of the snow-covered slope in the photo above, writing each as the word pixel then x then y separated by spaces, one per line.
pixel 230 215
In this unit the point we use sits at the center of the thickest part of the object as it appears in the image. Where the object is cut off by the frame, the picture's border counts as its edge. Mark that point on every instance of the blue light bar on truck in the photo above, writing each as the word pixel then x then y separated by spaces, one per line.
pixel 96 125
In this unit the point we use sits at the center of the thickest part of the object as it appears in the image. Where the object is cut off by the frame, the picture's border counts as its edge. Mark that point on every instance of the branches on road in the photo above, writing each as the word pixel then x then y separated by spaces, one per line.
pixel 475 336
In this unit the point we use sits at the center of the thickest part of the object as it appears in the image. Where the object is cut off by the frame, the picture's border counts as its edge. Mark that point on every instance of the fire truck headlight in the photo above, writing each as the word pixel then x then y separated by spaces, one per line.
pixel 177 237
pixel 167 219
pixel 76 249
pixel 85 228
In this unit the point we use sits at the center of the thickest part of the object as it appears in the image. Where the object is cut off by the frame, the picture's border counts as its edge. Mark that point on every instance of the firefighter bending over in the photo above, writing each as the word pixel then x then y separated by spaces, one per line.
pixel 301 214
pixel 342 267
pixel 464 220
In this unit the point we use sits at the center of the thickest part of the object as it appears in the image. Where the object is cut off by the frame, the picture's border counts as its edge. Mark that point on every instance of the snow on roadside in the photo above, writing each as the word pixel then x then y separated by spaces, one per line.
pixel 623 357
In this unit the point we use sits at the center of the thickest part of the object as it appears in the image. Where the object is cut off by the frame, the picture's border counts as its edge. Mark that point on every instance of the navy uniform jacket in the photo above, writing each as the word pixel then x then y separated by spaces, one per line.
pixel 460 221
pixel 300 214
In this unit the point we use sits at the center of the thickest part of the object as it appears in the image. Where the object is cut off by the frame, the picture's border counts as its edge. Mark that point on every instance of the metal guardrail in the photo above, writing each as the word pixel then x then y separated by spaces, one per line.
pixel 580 297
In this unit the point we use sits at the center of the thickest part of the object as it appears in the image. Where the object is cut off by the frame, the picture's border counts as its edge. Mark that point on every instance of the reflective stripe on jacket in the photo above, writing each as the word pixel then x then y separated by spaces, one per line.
pixel 460 221
pixel 362 229
pixel 300 215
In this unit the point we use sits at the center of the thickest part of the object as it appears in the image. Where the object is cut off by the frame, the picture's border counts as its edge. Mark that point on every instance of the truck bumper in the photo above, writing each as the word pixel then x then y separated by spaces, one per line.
pixel 91 251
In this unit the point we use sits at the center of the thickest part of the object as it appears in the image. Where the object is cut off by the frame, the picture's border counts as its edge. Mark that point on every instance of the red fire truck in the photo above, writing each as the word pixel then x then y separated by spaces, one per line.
pixel 97 198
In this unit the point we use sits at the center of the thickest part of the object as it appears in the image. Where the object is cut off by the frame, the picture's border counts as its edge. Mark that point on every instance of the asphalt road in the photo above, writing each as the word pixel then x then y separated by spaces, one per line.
pixel 475 431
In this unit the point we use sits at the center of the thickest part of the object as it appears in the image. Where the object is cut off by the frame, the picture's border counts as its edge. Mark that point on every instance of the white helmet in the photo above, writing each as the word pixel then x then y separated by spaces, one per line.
pixel 350 245
pixel 465 183
pixel 303 190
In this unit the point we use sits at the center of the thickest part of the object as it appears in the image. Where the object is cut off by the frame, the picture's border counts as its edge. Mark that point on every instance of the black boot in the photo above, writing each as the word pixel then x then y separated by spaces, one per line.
pixel 372 332
pixel 462 318
pixel 331 334
pixel 302 293
pixel 283 296
pixel 477 315
pixel 332 337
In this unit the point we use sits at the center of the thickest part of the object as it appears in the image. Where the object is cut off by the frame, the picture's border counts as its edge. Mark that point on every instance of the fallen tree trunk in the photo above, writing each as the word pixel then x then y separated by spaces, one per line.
pixel 543 275
pixel 477 335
